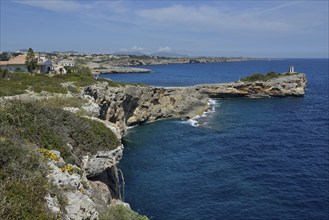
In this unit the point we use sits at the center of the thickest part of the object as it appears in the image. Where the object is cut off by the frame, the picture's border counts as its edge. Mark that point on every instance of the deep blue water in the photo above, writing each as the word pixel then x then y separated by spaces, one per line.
pixel 250 159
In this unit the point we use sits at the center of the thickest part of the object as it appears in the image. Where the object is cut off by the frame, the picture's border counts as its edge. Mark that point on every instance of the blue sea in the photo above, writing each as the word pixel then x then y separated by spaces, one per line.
pixel 248 159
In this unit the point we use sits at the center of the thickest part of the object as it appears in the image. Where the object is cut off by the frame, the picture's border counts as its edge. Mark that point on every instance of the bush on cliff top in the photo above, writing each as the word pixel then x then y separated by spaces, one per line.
pixel 120 212
pixel 262 77
pixel 23 186
pixel 24 129
pixel 56 129
pixel 17 82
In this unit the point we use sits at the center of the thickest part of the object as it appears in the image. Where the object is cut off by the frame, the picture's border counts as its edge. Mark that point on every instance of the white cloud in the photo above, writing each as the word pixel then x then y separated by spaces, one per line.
pixel 209 18
pixel 135 48
pixel 56 5
pixel 164 49
pixel 132 49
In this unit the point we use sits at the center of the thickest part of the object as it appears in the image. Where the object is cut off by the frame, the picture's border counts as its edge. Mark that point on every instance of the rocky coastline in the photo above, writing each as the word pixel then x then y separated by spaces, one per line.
pixel 96 182
pixel 120 70
pixel 131 105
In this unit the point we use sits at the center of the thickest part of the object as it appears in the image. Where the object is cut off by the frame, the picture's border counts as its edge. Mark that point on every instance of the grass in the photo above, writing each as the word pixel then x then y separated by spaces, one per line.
pixel 120 212
pixel 62 102
pixel 16 83
pixel 53 128
pixel 22 184
pixel 27 131
pixel 262 77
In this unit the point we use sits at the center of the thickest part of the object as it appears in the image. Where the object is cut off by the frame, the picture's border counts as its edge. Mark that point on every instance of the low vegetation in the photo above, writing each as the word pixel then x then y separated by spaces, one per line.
pixel 23 186
pixel 28 131
pixel 18 82
pixel 55 129
pixel 262 77
pixel 120 212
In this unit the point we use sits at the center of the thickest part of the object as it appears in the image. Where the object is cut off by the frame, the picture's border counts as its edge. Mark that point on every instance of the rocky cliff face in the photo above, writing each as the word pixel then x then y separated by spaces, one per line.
pixel 127 106
pixel 291 85
pixel 134 104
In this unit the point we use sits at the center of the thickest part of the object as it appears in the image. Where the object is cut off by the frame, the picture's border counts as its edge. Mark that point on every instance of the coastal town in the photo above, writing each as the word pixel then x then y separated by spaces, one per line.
pixel 61 62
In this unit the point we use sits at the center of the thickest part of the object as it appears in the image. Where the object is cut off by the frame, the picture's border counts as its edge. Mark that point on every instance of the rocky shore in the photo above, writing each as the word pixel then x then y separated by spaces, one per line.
pixel 154 60
pixel 94 184
pixel 113 70
pixel 289 85
pixel 131 105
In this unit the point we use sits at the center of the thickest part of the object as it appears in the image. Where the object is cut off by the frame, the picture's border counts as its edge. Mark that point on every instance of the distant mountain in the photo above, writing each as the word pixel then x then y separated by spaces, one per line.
pixel 69 51
pixel 23 50
pixel 168 54
pixel 133 53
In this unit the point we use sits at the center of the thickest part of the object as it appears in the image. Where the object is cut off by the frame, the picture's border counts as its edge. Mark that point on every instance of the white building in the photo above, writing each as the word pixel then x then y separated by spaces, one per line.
pixel 66 63
pixel 292 69
pixel 15 64
pixel 18 64
pixel 59 69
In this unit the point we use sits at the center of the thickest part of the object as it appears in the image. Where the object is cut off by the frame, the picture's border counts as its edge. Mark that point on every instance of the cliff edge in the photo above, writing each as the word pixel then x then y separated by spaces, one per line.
pixel 79 156
pixel 131 105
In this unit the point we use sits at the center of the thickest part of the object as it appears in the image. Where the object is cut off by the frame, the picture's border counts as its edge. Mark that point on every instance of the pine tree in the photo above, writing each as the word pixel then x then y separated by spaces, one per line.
pixel 31 61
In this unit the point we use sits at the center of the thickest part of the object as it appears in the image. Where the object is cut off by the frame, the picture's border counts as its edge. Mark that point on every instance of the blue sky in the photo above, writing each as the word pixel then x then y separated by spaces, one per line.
pixel 213 28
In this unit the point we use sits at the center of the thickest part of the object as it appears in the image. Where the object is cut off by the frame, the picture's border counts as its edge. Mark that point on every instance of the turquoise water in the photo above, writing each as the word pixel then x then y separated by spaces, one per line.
pixel 250 159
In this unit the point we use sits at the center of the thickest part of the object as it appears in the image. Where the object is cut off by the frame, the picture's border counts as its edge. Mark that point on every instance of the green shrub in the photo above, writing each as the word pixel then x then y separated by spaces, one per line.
pixel 120 212
pixel 53 128
pixel 260 77
pixel 63 102
pixel 29 130
pixel 17 82
pixel 23 185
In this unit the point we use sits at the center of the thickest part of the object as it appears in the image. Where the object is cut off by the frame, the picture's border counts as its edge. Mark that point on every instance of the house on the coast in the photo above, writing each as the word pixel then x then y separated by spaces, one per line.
pixel 66 63
pixel 18 64
pixel 15 64
pixel 58 69
pixel 44 65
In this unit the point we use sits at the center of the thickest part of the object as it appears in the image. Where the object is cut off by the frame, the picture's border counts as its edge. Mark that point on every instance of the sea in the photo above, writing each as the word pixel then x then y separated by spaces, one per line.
pixel 265 158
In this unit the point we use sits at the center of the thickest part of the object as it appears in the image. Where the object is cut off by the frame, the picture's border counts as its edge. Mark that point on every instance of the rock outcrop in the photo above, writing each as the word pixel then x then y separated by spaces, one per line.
pixel 85 190
pixel 102 160
pixel 128 106
pixel 290 85
pixel 74 188
pixel 131 105
pixel 97 181
pixel 114 70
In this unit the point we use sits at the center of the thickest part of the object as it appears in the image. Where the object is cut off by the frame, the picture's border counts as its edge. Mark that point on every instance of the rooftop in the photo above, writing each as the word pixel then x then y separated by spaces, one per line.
pixel 20 59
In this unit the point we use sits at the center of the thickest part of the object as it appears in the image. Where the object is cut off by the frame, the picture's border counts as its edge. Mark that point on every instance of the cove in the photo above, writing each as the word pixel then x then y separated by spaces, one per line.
pixel 251 158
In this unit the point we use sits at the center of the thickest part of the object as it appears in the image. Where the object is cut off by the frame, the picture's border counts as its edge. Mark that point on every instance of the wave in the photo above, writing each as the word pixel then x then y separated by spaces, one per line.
pixel 195 121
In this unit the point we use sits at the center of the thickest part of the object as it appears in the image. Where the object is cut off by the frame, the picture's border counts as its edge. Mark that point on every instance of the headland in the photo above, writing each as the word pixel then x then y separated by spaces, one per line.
pixel 87 183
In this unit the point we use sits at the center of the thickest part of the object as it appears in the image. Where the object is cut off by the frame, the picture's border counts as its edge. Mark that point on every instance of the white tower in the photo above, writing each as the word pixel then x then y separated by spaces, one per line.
pixel 292 69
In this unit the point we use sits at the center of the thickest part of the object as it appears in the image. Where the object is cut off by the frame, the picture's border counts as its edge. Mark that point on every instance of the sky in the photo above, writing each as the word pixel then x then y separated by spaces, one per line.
pixel 273 29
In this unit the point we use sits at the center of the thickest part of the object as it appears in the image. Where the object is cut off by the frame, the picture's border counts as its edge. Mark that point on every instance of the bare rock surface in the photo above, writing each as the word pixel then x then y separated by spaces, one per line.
pixel 71 184
pixel 131 105
pixel 291 85
pixel 102 160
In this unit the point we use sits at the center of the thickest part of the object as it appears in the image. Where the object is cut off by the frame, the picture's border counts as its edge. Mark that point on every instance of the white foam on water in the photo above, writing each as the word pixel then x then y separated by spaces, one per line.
pixel 212 102
pixel 195 120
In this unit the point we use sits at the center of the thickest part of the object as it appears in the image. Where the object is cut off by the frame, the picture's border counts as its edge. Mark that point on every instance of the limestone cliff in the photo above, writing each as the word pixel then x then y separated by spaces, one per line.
pixel 127 106
pixel 131 105
pixel 100 182
pixel 290 85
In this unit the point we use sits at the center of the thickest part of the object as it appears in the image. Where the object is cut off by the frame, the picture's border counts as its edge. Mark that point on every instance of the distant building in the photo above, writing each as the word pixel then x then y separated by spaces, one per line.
pixel 15 64
pixel 66 63
pixel 292 69
pixel 18 64
pixel 58 69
